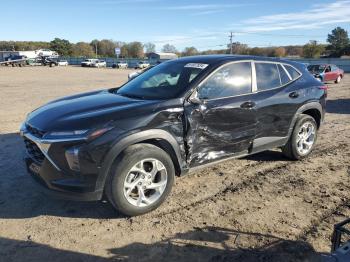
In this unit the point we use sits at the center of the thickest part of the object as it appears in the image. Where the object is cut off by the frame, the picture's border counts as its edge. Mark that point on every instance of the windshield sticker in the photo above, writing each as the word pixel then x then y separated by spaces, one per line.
pixel 196 65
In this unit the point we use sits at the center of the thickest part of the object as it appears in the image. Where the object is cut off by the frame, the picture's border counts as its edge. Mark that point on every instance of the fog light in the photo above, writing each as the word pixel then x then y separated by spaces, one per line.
pixel 72 156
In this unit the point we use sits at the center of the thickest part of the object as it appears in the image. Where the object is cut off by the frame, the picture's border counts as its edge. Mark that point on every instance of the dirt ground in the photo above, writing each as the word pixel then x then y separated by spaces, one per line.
pixel 259 208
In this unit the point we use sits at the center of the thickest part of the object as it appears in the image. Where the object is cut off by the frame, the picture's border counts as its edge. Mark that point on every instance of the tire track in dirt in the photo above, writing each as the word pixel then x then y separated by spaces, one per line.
pixel 272 189
pixel 257 176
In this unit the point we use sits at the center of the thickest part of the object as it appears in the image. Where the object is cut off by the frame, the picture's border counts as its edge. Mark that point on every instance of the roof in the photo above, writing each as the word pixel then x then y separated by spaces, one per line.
pixel 213 59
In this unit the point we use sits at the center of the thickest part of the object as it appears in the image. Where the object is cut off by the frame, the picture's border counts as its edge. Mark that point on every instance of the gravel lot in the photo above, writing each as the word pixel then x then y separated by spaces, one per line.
pixel 259 208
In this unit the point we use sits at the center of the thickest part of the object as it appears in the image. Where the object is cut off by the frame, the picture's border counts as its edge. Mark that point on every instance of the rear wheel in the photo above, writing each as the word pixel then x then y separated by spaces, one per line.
pixel 140 179
pixel 303 138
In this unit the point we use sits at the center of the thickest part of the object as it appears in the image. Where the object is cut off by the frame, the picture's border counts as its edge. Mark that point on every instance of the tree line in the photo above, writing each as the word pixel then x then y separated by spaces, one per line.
pixel 338 45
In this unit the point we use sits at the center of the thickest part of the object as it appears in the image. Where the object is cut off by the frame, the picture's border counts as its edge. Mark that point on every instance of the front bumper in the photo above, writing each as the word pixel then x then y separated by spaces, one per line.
pixel 45 185
pixel 53 174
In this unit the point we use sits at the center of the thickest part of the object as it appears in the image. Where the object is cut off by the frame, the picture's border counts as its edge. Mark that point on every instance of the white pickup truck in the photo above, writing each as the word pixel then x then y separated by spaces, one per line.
pixel 120 64
pixel 99 63
pixel 88 62
pixel 93 63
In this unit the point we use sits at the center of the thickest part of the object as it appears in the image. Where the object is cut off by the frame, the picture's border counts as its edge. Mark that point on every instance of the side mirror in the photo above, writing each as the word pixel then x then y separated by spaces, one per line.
pixel 194 99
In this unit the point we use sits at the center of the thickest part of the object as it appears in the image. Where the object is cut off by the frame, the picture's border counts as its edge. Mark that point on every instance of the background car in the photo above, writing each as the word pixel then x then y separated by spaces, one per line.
pixel 138 72
pixel 120 64
pixel 99 63
pixel 88 62
pixel 62 62
pixel 326 72
pixel 142 64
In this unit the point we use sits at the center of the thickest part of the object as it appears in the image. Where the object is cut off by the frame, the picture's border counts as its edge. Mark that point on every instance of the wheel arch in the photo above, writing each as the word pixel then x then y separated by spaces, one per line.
pixel 315 114
pixel 313 109
pixel 157 137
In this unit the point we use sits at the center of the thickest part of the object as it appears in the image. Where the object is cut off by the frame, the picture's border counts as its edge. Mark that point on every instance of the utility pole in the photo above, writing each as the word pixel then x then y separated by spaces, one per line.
pixel 231 36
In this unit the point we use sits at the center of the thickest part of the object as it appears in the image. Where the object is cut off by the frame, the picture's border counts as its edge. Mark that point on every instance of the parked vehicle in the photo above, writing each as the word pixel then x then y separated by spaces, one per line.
pixel 131 142
pixel 142 65
pixel 88 62
pixel 49 61
pixel 120 64
pixel 138 72
pixel 35 61
pixel 15 60
pixel 62 62
pixel 326 72
pixel 99 63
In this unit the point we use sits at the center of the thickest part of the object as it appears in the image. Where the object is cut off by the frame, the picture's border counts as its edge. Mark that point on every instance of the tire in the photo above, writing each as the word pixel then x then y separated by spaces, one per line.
pixel 293 149
pixel 337 81
pixel 120 173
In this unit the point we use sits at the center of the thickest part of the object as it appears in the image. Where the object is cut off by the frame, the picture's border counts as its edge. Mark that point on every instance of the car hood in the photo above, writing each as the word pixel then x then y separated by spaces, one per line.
pixel 86 110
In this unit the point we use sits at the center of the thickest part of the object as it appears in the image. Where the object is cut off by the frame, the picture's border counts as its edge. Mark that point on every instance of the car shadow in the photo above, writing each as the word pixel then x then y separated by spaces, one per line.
pixel 200 244
pixel 268 156
pixel 338 106
pixel 219 244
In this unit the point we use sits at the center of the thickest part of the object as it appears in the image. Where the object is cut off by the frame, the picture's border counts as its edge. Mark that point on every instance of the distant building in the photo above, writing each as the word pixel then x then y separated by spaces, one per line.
pixel 161 56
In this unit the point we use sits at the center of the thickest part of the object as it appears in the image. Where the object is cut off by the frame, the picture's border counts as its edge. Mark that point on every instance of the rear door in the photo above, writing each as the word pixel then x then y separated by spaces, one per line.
pixel 277 98
pixel 222 123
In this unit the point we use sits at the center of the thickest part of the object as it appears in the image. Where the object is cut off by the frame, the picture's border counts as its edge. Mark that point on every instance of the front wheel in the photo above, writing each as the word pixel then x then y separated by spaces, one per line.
pixel 302 139
pixel 140 180
pixel 337 81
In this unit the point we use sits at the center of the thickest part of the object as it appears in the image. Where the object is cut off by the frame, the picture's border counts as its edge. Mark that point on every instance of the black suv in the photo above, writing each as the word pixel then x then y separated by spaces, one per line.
pixel 130 142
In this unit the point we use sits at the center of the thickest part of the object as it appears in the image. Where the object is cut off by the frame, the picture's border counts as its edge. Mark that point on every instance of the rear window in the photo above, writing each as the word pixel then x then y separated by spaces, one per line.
pixel 267 76
pixel 294 74
pixel 284 77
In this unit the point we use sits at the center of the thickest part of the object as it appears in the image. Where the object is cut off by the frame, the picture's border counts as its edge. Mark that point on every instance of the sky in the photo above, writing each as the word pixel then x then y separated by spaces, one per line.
pixel 201 23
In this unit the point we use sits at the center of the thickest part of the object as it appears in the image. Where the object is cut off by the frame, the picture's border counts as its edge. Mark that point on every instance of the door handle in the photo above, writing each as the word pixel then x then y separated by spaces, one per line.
pixel 248 105
pixel 293 95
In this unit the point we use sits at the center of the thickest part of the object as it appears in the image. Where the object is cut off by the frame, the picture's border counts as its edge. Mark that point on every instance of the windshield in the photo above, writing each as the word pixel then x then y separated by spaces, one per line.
pixel 316 68
pixel 164 81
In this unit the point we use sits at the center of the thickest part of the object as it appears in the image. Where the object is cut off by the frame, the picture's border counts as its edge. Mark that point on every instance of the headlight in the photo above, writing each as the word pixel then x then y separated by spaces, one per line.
pixel 83 134
pixel 67 133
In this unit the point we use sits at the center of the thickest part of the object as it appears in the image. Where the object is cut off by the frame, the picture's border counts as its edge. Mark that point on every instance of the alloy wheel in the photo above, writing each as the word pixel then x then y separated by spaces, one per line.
pixel 306 138
pixel 145 182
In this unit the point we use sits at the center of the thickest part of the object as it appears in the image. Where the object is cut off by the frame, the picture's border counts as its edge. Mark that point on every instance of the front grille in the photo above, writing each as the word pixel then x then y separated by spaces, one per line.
pixel 34 131
pixel 33 151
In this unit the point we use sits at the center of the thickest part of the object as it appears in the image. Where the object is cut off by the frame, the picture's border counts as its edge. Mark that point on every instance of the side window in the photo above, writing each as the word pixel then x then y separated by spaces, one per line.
pixel 267 76
pixel 334 67
pixel 328 69
pixel 284 77
pixel 294 74
pixel 230 80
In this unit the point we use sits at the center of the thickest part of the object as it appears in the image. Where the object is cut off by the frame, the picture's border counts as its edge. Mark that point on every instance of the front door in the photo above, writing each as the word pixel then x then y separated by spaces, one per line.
pixel 222 122
pixel 327 74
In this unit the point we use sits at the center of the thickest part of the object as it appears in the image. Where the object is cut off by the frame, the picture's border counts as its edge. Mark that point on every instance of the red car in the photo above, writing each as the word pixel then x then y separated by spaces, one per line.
pixel 326 72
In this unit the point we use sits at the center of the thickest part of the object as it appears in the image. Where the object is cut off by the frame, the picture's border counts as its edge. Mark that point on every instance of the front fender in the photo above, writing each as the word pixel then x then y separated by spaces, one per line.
pixel 135 138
